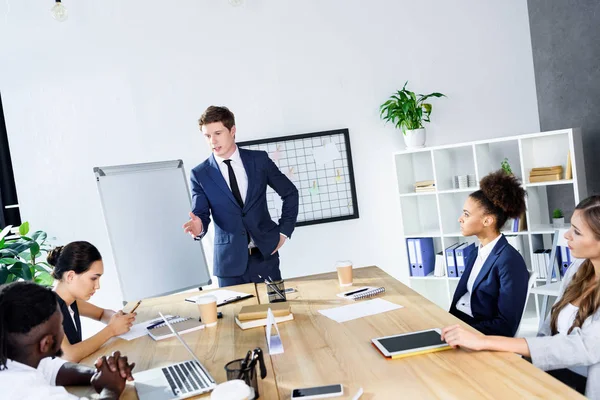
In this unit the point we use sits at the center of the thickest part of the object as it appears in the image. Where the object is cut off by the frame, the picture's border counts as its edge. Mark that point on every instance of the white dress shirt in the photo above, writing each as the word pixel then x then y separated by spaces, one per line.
pixel 20 381
pixel 565 320
pixel 464 303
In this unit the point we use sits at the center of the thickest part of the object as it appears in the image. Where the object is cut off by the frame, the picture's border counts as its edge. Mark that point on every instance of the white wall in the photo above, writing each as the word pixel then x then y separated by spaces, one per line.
pixel 125 81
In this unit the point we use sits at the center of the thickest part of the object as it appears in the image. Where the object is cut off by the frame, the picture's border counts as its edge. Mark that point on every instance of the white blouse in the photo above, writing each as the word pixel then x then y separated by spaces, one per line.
pixel 565 320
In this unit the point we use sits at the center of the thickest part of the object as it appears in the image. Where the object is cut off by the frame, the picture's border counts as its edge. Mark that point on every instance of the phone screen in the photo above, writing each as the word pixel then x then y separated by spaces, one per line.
pixel 413 341
pixel 315 391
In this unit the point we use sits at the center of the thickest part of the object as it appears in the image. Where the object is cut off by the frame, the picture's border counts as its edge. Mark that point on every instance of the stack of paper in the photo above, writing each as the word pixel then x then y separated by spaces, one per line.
pixel 545 174
pixel 425 186
pixel 359 310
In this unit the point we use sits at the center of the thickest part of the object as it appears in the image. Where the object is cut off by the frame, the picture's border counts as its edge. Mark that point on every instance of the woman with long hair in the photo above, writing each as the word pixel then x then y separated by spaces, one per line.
pixel 77 268
pixel 491 293
pixel 568 343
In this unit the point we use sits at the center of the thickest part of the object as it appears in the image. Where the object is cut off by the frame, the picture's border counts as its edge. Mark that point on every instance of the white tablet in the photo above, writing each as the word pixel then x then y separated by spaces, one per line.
pixel 412 343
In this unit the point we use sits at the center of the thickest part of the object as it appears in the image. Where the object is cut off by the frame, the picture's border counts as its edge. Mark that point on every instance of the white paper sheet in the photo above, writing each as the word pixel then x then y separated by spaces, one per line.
pixel 359 310
pixel 222 295
pixel 139 329
pixel 273 341
pixel 325 154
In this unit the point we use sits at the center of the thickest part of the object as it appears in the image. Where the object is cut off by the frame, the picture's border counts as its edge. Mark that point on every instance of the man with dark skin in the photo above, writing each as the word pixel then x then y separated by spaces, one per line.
pixel 31 332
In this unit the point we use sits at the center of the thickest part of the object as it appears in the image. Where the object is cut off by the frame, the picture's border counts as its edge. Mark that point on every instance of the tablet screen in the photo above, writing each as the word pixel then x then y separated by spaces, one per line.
pixel 411 341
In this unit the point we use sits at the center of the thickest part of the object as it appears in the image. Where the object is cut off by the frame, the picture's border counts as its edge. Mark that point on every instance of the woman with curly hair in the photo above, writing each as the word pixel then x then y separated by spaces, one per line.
pixel 491 293
pixel 568 343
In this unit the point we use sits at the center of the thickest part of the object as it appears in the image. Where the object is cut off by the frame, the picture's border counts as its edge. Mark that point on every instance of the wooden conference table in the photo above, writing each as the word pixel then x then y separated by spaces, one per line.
pixel 320 351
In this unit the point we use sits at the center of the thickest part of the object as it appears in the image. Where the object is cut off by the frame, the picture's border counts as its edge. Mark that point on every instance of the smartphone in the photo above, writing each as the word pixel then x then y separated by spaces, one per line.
pixel 290 290
pixel 318 392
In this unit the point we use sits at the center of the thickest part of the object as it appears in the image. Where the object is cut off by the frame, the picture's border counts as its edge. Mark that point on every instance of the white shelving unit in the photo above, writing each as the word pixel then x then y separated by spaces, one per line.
pixel 435 214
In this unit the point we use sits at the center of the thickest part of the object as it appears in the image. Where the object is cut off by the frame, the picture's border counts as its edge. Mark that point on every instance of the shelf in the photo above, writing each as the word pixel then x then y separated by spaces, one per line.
pixel 505 233
pixel 417 194
pixel 550 183
pixel 469 189
pixel 424 234
pixel 429 278
pixel 543 229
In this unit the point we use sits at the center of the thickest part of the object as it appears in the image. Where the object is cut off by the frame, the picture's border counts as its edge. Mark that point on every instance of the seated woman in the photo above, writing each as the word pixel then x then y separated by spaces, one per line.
pixel 491 293
pixel 78 268
pixel 568 343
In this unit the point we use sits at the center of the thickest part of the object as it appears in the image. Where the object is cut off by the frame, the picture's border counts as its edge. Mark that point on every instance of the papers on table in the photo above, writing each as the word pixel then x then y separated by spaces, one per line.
pixel 223 296
pixel 139 330
pixel 359 310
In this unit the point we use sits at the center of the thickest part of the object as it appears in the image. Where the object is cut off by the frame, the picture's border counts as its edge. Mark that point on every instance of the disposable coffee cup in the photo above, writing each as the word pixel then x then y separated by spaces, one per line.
pixel 207 306
pixel 344 270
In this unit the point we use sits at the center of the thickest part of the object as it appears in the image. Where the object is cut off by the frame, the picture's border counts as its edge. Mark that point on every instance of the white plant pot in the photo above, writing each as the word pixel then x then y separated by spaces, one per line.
pixel 414 138
pixel 558 222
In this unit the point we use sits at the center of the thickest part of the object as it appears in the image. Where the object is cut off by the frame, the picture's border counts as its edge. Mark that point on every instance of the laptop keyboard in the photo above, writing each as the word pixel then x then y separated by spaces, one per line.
pixel 187 377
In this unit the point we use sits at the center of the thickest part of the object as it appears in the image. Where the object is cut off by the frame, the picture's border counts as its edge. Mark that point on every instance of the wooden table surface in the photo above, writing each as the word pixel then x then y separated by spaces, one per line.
pixel 320 351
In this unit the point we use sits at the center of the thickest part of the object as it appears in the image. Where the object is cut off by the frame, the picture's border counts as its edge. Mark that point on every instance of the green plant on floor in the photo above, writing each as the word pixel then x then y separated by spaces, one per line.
pixel 557 213
pixel 506 166
pixel 407 110
pixel 20 256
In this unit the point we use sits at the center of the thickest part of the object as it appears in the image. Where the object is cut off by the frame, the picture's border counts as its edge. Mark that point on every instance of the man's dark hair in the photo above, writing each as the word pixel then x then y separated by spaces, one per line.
pixel 217 114
pixel 23 306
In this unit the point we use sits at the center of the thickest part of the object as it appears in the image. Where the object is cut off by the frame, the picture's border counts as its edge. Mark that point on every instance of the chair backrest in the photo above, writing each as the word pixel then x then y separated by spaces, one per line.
pixel 530 284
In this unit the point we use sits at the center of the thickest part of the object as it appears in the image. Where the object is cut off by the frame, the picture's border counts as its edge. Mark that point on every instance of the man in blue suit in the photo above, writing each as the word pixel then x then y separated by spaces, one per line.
pixel 231 185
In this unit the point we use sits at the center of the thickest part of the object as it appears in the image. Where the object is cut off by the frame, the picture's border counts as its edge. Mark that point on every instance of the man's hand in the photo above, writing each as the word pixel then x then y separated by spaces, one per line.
pixel 281 242
pixel 110 384
pixel 117 362
pixel 193 226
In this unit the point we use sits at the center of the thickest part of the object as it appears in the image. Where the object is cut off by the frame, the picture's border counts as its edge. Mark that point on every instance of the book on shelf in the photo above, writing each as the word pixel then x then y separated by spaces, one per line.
pixel 424 183
pixel 440 267
pixel 546 170
pixel 545 178
pixel 425 189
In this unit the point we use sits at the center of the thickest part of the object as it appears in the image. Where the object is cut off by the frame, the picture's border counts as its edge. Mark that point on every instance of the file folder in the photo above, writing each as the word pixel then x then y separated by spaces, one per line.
pixel 565 259
pixel 462 254
pixel 412 258
pixel 451 261
pixel 425 256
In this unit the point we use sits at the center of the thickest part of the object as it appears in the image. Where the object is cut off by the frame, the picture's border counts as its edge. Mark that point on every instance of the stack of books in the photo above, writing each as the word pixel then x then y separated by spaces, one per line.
pixel 425 186
pixel 545 174
pixel 256 315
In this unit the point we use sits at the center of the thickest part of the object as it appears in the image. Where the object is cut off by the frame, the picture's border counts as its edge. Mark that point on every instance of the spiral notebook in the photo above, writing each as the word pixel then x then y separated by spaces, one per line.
pixel 364 292
pixel 181 325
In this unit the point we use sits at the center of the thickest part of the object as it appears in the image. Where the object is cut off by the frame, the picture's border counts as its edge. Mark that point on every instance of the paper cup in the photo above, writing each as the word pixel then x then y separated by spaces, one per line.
pixel 344 270
pixel 207 306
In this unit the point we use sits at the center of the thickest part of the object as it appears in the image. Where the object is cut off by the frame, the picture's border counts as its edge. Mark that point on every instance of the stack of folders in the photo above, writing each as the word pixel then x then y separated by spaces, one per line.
pixel 541 259
pixel 421 256
pixel 461 254
pixel 440 266
pixel 425 186
pixel 256 315
pixel 451 260
pixel 181 325
pixel 545 174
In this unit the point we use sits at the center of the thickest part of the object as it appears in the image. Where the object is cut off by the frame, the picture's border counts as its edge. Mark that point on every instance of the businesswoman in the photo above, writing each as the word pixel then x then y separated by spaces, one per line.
pixel 78 268
pixel 568 343
pixel 491 293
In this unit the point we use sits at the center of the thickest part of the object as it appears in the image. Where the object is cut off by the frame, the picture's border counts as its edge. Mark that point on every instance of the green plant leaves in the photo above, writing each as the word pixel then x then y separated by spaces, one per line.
pixel 44 279
pixel 407 111
pixel 24 228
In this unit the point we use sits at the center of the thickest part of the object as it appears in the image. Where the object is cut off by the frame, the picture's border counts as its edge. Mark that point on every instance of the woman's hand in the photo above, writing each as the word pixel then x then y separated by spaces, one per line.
pixel 121 323
pixel 457 336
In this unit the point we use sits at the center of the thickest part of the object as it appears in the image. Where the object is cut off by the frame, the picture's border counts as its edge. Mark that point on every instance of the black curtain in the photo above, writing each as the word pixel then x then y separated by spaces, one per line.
pixel 8 190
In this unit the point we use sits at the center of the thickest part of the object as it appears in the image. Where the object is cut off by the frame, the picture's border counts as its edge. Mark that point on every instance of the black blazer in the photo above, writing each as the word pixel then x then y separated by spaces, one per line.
pixel 499 292
pixel 73 332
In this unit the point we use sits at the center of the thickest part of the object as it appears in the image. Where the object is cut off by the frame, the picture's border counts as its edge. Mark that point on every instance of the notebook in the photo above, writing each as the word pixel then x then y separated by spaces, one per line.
pixel 255 323
pixel 364 292
pixel 181 325
pixel 259 311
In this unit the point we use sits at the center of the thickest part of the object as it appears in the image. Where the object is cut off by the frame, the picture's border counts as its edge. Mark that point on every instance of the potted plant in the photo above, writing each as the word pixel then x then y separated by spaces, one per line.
pixel 558 218
pixel 20 256
pixel 506 166
pixel 408 111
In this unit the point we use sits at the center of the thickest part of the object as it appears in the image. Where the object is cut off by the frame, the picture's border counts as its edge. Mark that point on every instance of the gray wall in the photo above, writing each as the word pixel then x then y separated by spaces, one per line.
pixel 565 38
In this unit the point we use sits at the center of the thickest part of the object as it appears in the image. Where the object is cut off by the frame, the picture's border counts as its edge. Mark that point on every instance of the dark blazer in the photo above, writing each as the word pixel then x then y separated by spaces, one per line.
pixel 499 292
pixel 72 331
pixel 211 195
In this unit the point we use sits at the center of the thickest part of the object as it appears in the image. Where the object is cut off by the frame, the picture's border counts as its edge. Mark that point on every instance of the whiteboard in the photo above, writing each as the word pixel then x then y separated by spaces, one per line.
pixel 145 207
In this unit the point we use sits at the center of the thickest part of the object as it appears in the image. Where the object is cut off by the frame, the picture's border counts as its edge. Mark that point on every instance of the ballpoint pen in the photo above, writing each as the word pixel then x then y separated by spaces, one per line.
pixel 154 325
pixel 274 287
pixel 135 308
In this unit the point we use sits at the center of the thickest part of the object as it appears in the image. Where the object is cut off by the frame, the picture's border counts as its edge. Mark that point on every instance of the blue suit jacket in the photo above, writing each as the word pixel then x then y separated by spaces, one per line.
pixel 499 292
pixel 211 195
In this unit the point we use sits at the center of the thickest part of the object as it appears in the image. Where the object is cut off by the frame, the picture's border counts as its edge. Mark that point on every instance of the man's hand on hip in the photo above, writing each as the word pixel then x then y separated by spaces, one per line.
pixel 282 239
pixel 193 226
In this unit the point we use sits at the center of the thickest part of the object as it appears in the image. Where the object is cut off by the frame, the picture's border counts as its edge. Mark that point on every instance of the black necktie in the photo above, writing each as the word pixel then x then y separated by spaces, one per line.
pixel 234 185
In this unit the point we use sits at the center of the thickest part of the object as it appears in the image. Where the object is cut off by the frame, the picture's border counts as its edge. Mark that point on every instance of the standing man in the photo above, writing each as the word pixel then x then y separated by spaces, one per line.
pixel 231 185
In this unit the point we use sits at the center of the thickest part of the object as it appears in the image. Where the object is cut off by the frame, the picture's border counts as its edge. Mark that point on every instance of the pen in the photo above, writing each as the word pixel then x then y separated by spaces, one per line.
pixel 154 325
pixel 274 287
pixel 356 291
pixel 136 306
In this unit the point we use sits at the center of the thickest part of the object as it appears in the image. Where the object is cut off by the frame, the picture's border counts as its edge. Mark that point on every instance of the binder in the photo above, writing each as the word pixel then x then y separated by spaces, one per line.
pixel 412 258
pixel 451 261
pixel 565 259
pixel 440 267
pixel 462 254
pixel 425 256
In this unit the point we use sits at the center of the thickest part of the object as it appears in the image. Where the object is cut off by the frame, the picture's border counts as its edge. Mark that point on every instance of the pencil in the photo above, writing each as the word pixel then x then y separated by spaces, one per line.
pixel 136 306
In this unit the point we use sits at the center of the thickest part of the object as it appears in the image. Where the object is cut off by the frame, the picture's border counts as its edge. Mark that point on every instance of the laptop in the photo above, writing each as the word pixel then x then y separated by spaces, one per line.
pixel 175 381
